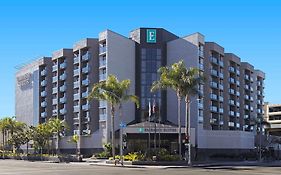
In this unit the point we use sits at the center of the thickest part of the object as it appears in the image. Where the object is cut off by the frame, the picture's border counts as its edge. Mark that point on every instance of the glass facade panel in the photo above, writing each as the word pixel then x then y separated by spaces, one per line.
pixel 151 61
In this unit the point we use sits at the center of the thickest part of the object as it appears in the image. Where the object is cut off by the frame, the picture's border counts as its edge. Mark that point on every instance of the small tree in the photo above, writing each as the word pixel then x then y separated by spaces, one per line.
pixel 75 139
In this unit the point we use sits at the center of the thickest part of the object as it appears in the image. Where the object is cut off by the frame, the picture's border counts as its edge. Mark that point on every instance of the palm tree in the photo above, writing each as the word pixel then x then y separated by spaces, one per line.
pixel 114 92
pixel 192 79
pixel 3 128
pixel 182 81
pixel 57 127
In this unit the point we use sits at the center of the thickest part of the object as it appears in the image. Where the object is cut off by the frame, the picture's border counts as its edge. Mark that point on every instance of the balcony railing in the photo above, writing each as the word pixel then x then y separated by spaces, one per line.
pixel 44 83
pixel 76 108
pixel 86 69
pixel 63 65
pixel 85 82
pixel 44 104
pixel 44 114
pixel 55 68
pixel 85 107
pixel 43 72
pixel 86 56
pixel 102 77
pixel 43 94
pixel 63 77
pixel 214 60
pixel 76 60
pixel 63 88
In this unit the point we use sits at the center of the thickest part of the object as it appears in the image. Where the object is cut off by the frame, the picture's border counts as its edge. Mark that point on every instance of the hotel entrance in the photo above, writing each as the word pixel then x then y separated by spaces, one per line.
pixel 148 135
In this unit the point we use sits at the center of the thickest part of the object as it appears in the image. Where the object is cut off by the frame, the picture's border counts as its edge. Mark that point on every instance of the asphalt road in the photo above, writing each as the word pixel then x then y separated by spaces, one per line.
pixel 40 168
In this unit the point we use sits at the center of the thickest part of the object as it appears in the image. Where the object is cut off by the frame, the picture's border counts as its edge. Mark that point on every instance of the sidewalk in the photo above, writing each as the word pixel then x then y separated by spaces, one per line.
pixel 195 165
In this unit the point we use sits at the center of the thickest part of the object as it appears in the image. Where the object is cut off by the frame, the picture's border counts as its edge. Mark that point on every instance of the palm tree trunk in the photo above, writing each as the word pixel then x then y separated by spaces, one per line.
pixel 58 150
pixel 3 137
pixel 188 129
pixel 26 148
pixel 179 125
pixel 112 132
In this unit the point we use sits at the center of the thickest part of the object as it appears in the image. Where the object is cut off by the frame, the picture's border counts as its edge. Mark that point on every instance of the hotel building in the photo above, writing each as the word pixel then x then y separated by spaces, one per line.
pixel 223 115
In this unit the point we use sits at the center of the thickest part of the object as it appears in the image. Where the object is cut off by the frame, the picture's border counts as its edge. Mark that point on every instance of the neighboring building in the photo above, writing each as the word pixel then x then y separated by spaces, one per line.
pixel 223 115
pixel 272 117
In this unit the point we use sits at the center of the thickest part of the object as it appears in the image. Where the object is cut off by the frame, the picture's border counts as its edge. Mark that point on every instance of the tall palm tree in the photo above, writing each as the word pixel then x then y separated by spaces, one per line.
pixel 192 79
pixel 57 127
pixel 177 77
pixel 114 92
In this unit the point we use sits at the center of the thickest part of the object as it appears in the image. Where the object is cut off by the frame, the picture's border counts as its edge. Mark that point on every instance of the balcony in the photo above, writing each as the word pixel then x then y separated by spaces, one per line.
pixel 85 82
pixel 237 114
pixel 246 107
pixel 55 90
pixel 63 88
pixel 63 111
pixel 102 104
pixel 220 86
pixel 86 132
pixel 86 56
pixel 102 77
pixel 43 94
pixel 247 97
pixel 213 84
pixel 238 83
pixel 247 87
pixel 76 96
pixel 43 104
pixel 247 77
pixel 220 98
pixel 76 121
pixel 63 77
pixel 232 102
pixel 213 96
pixel 246 116
pixel 221 63
pixel 63 65
pixel 231 69
pixel 232 113
pixel 213 60
pixel 86 70
pixel 43 72
pixel 76 72
pixel 214 72
pixel 237 125
pixel 85 94
pixel 232 80
pixel 54 112
pixel 76 60
pixel 44 114
pixel 102 63
pixel 200 105
pixel 232 91
pixel 76 108
pixel 221 110
pixel 214 108
pixel 201 67
pixel 76 84
pixel 213 120
pixel 102 117
pixel 63 100
pixel 221 75
pixel 238 72
pixel 44 83
pixel 221 123
pixel 55 79
pixel 85 107
pixel 231 124
pixel 237 104
pixel 102 49
pixel 55 68
pixel 55 101
pixel 238 93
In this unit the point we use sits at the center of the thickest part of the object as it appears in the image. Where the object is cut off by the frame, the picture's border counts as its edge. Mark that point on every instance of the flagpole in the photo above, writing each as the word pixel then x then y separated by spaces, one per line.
pixel 159 120
pixel 154 113
pixel 149 115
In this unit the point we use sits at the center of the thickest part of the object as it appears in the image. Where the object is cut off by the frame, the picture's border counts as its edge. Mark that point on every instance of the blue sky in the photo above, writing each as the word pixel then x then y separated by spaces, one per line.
pixel 29 29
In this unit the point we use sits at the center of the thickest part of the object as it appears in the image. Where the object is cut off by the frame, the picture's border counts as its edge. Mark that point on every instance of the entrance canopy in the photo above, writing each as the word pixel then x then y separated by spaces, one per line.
pixel 151 127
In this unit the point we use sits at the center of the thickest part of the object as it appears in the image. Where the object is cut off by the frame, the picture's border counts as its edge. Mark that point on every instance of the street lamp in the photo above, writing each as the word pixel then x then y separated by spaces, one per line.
pixel 187 134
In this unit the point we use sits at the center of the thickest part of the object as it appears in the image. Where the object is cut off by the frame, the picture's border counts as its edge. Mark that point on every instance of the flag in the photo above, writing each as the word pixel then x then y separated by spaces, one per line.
pixel 154 107
pixel 149 108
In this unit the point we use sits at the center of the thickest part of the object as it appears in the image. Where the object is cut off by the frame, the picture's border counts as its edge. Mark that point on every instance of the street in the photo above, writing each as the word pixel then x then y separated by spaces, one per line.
pixel 33 168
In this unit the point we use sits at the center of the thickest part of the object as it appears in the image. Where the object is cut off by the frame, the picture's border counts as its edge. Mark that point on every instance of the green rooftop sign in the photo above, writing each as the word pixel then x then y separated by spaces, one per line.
pixel 151 35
